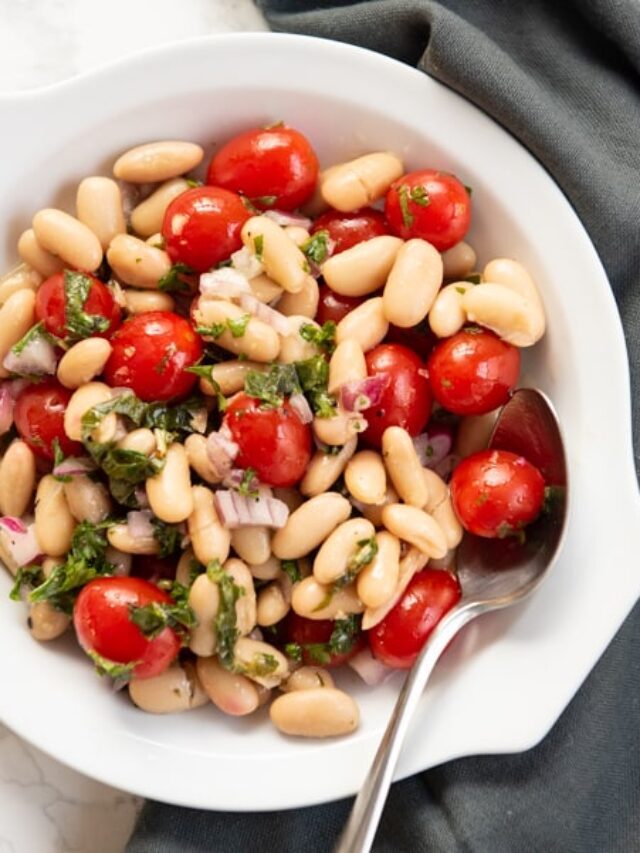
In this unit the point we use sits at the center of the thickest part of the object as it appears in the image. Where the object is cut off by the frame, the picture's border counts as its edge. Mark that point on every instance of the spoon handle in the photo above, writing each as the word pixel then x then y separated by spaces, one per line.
pixel 360 829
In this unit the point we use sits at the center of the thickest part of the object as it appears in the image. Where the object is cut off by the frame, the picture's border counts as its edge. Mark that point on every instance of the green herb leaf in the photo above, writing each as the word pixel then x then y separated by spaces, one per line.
pixel 214 331
pixel 367 549
pixel 323 337
pixel 168 536
pixel 420 196
pixel 258 246
pixel 173 279
pixel 58 459
pixel 461 290
pixel 249 485
pixel 27 576
pixel 290 567
pixel 474 278
pixel 403 200
pixel 265 200
pixel 192 183
pixel 293 651
pixel 238 326
pixel 313 376
pixel 344 634
pixel 316 248
pixel 35 332
pixel 154 617
pixel 260 665
pixel 206 372
pixel 272 387
pixel 121 671
pixel 77 286
pixel 225 621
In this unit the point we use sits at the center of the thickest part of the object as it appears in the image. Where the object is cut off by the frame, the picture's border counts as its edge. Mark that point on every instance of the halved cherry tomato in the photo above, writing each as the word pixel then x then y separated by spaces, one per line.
pixel 333 306
pixel 399 638
pixel 313 636
pixel 150 353
pixel 275 167
pixel 51 305
pixel 431 205
pixel 39 418
pixel 473 371
pixel 101 617
pixel 496 493
pixel 274 442
pixel 202 227
pixel 347 229
pixel 406 401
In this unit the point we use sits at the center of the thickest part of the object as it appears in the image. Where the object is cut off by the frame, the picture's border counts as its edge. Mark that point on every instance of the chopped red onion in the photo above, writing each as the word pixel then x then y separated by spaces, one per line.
pixel 370 670
pixel 13 524
pixel 74 466
pixel 434 445
pixel 237 510
pixel 284 218
pixel 364 393
pixel 139 522
pixel 301 407
pixel 37 358
pixel 446 467
pixel 245 262
pixel 224 282
pixel 6 408
pixel 273 318
pixel 21 542
pixel 221 451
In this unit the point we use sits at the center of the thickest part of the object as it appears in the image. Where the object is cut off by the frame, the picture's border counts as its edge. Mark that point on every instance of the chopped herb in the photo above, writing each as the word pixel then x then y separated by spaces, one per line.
pixel 58 459
pixel 161 366
pixel 323 337
pixel 249 485
pixel 461 290
pixel 474 278
pixel 249 204
pixel 154 617
pixel 192 183
pixel 173 281
pixel 214 331
pixel 293 651
pixel 265 200
pixel 258 246
pixel 316 248
pixel 313 375
pixel 27 576
pixel 121 671
pixel 206 372
pixel 468 189
pixel 260 665
pixel 238 326
pixel 168 536
pixel 291 568
pixel 37 331
pixel 343 636
pixel 178 591
pixel 272 387
pixel 473 330
pixel 420 196
pixel 367 549
pixel 403 199
pixel 77 286
pixel 225 621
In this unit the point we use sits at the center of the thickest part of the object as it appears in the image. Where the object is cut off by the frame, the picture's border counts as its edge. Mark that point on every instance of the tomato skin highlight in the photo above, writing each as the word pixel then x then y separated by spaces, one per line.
pixel 150 353
pixel 103 625
pixel 473 371
pixel 262 163
pixel 348 229
pixel 39 419
pixel 398 639
pixel 274 442
pixel 50 305
pixel 334 306
pixel 495 493
pixel 304 632
pixel 406 401
pixel 442 221
pixel 202 227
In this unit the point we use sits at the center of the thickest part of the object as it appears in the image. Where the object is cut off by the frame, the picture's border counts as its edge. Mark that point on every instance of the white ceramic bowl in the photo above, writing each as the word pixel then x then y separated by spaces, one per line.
pixel 505 681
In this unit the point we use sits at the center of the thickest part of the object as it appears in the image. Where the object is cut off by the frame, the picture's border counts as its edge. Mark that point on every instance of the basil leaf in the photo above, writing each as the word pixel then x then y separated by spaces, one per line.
pixel 206 372
pixel 323 337
pixel 272 387
pixel 27 576
pixel 420 196
pixel 37 331
pixel 154 617
pixel 238 326
pixel 172 280
pixel 77 286
pixel 130 466
pixel 403 200
pixel 114 670
pixel 293 651
pixel 213 331
pixel 168 536
pixel 261 664
pixel 313 375
pixel 316 248
pixel 225 621
pixel 290 567
pixel 367 549
pixel 258 246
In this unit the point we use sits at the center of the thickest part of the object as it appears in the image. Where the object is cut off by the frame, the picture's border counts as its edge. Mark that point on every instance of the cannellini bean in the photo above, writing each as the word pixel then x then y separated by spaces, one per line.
pixel 416 527
pixel 304 302
pixel 293 346
pixel 308 678
pixel 366 324
pixel 252 544
pixel 33 254
pixel 176 689
pixel 297 233
pixel 447 316
pixel 283 261
pixel 99 207
pixel 83 362
pixel 364 268
pixel 347 364
pixel 23 277
pixel 449 524
pixel 339 429
pixel 377 581
pixel 437 489
pixel 16 318
pixel 209 539
pixel 196 450
pixel 290 496
pixel 147 217
pixel 87 500
pixel 83 399
pixel 366 478
pixel 267 571
pixel 309 525
pixel 258 341
pixel 45 622
pixel 204 600
pixel 246 604
pixel 339 548
pixel 68 238
pixel 413 284
pixel 122 562
pixel 143 301
pixel 373 512
pixel 232 693
pixel 515 277
pixel 230 376
pixel 474 432
pixel 54 524
pixel 120 537
pixel 184 567
pixel 248 654
pixel 412 562
pixel 360 182
pixel 17 478
pixel 317 712
pixel 169 491
pixel 140 440
pixel 459 261
pixel 505 312
pixel 136 263
pixel 315 600
pixel 403 466
pixel 266 290
pixel 325 468
pixel 274 601
pixel 157 161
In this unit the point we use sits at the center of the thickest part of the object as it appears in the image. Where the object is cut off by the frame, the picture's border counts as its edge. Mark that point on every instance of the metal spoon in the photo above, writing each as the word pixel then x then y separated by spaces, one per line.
pixel 493 574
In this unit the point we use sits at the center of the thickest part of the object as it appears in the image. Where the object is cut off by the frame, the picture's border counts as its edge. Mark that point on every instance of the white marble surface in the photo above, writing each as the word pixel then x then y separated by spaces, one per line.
pixel 45 807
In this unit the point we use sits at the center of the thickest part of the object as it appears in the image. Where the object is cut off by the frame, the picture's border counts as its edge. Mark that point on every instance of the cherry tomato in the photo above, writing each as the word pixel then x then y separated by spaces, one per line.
pixel 419 338
pixel 51 305
pixel 406 401
pixel 39 418
pixel 309 632
pixel 202 227
pixel 347 229
pixel 274 442
pixel 495 493
pixel 473 371
pixel 431 205
pixel 333 306
pixel 275 167
pixel 150 353
pixel 398 639
pixel 153 568
pixel 103 624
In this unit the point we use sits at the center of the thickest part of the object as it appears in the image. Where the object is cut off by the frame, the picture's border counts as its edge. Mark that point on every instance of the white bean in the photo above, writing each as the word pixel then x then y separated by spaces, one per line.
pixel 437 489
pixel 143 301
pixel 319 712
pixel 204 600
pixel 196 449
pixel 274 601
pixel 334 556
pixel 412 562
pixel 363 268
pixel 360 182
pixel 325 468
pixel 140 440
pixel 232 693
pixel 33 254
pixel 169 491
pixel 413 284
pixel 297 233
pixel 252 544
pixel 315 600
pixel 83 399
pixel 266 290
pixel 248 656
pixel 54 524
pixel 374 511
pixel 403 465
pixel 293 346
pixel 366 478
pixel 512 317
pixel 459 261
pixel 174 690
pixel 68 238
pixel 136 263
pixel 121 538
pixel 16 318
pixel 258 341
pixel 377 581
pixel 17 479
pixel 86 499
pixel 366 324
pixel 340 428
pixel 347 364
pixel 83 362
pixel 308 678
pixel 209 539
pixel 147 217
pixel 310 525
pixel 45 622
pixel 447 316
pixel 99 207
pixel 157 161
pixel 246 604
pixel 267 571
pixel 449 524
pixel 230 376
pixel 283 261
pixel 304 302
pixel 416 527
pixel 23 277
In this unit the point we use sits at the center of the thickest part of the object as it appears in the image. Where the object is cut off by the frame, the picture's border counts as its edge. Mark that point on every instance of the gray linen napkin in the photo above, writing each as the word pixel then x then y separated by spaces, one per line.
pixel 564 77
